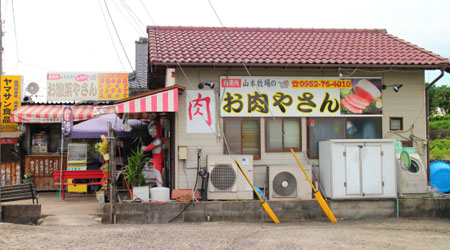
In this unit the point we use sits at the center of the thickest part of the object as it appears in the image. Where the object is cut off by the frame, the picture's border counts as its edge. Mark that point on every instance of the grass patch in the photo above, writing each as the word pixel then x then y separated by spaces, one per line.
pixel 440 149
pixel 439 125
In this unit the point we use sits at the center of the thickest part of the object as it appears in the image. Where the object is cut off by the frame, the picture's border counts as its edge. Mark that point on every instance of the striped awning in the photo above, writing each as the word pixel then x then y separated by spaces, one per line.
pixel 50 113
pixel 163 100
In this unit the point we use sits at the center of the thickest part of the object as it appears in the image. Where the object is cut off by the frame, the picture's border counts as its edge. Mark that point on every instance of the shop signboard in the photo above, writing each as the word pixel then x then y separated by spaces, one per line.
pixel 265 96
pixel 79 86
pixel 9 141
pixel 200 111
pixel 10 101
pixel 112 86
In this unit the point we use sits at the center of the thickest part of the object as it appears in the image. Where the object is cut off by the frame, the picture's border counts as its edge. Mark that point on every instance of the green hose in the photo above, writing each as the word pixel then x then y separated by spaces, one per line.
pixel 398 209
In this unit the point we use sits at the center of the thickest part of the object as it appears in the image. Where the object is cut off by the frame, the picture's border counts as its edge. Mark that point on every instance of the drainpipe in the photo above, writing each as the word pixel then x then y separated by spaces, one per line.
pixel 443 67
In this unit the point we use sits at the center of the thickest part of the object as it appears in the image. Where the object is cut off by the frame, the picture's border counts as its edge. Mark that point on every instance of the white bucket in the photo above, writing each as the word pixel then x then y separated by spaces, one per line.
pixel 141 193
pixel 161 194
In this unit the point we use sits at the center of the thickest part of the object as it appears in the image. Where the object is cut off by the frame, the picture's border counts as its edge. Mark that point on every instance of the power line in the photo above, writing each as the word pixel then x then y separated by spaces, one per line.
pixel 131 12
pixel 126 18
pixel 110 35
pixel 118 37
pixel 34 65
pixel 15 32
pixel 148 13
pixel 236 52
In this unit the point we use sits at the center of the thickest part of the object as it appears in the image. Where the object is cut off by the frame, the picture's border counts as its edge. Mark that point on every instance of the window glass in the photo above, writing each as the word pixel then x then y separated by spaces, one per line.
pixel 322 130
pixel 233 135
pixel 363 128
pixel 396 124
pixel 291 133
pixel 274 134
pixel 250 137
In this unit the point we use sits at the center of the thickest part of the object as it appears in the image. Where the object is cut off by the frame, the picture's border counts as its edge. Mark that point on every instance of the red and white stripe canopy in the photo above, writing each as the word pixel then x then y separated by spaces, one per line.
pixel 50 113
pixel 164 100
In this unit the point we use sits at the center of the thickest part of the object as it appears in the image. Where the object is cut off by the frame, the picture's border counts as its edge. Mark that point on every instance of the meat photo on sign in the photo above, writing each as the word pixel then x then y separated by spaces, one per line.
pixel 363 98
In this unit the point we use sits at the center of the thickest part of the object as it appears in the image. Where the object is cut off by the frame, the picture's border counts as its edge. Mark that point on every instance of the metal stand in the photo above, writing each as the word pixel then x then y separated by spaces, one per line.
pixel 112 173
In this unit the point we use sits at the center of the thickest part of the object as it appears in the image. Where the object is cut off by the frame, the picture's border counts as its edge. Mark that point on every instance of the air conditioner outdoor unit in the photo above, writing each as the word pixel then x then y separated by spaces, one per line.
pixel 289 182
pixel 226 181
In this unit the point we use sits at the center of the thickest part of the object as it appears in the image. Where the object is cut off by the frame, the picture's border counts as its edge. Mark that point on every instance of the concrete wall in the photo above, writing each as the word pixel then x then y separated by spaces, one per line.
pixel 408 103
pixel 292 210
pixel 21 214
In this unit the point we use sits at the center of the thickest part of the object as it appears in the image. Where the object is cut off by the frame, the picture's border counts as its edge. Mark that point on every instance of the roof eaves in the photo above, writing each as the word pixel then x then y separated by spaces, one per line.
pixel 306 65
pixel 443 59
pixel 246 29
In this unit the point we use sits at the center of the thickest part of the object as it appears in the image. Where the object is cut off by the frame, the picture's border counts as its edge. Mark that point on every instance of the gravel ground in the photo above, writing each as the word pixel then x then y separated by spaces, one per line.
pixel 367 234
pixel 73 224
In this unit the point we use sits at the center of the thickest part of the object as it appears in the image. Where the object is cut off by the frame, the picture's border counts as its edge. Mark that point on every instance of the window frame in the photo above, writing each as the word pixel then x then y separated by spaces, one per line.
pixel 283 149
pixel 225 149
pixel 407 144
pixel 390 123
pixel 308 139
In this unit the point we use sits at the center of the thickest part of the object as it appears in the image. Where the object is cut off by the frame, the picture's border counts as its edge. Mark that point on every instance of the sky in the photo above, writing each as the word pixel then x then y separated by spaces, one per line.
pixel 78 35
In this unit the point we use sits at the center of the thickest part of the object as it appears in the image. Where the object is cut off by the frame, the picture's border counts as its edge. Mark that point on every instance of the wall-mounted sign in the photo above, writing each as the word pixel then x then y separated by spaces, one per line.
pixel 255 96
pixel 67 121
pixel 112 86
pixel 10 101
pixel 78 86
pixel 200 111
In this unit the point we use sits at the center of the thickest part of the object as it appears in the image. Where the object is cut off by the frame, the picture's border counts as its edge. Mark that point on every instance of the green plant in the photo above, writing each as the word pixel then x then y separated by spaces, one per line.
pixel 133 171
pixel 27 176
pixel 103 146
pixel 105 167
pixel 440 149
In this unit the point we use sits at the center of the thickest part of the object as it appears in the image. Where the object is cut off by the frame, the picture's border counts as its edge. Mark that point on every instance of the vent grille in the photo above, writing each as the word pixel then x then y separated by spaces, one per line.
pixel 223 177
pixel 285 184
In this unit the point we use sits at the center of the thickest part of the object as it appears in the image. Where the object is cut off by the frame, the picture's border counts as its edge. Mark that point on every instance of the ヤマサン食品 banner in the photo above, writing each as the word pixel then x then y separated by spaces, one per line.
pixel 10 98
pixel 253 96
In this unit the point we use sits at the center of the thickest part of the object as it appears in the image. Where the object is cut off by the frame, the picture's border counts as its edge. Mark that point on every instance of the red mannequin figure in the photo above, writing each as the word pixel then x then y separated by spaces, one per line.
pixel 155 130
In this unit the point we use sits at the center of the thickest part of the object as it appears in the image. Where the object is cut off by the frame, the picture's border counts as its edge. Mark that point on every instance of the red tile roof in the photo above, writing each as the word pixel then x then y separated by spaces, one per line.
pixel 284 47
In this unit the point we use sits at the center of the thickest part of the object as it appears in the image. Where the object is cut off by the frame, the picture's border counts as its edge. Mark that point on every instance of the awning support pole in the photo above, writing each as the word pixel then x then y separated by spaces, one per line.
pixel 61 187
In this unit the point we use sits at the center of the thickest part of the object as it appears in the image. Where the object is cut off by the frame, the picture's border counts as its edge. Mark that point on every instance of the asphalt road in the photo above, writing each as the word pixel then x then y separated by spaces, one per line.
pixel 360 234
pixel 74 224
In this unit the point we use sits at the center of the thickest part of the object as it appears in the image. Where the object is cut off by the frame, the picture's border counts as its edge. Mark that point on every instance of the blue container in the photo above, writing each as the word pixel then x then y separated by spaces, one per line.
pixel 260 192
pixel 440 176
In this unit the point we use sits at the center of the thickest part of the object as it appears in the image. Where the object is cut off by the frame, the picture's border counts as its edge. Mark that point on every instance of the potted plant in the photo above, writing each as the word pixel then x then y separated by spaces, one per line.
pixel 103 148
pixel 27 178
pixel 105 169
pixel 133 171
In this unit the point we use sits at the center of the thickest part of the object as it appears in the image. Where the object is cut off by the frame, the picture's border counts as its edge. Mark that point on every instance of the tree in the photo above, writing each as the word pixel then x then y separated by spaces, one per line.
pixel 439 98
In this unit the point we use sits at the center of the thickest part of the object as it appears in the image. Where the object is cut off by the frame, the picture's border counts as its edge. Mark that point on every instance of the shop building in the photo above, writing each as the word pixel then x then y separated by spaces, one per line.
pixel 263 91
pixel 41 115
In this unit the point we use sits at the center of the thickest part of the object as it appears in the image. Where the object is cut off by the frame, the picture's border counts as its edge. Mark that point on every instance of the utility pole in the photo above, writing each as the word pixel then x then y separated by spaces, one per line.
pixel 1 44
pixel 1 41
pixel 1 73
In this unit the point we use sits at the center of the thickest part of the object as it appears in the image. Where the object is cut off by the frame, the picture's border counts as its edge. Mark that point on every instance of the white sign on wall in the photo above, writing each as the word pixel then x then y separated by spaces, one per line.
pixel 259 96
pixel 200 111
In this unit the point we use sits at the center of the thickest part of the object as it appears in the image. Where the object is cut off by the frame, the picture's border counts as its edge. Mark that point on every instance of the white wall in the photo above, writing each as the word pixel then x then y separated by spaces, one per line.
pixel 407 103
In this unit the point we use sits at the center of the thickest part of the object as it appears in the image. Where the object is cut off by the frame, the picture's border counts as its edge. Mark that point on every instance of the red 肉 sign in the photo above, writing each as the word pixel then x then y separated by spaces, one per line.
pixel 231 83
pixel 8 141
